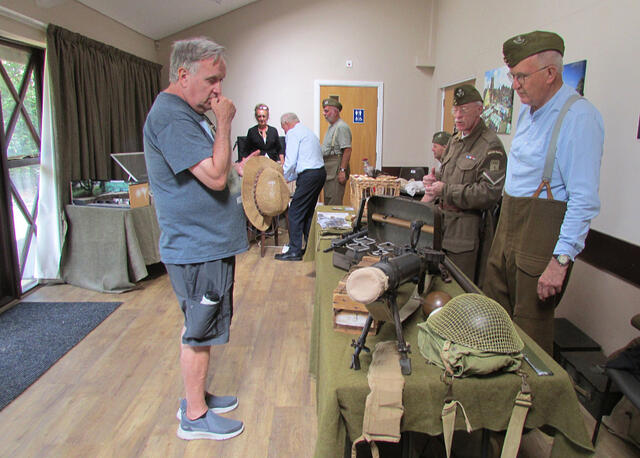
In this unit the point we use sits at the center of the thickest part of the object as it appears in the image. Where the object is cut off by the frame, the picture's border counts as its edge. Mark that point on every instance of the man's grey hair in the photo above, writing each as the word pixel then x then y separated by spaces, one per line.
pixel 289 117
pixel 551 58
pixel 188 53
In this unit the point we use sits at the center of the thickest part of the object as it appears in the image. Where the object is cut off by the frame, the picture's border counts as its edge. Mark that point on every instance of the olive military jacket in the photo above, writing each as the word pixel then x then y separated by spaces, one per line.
pixel 473 172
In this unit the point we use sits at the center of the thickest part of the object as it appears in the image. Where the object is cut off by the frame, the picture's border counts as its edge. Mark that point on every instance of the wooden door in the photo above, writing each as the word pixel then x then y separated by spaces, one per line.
pixel 447 118
pixel 363 142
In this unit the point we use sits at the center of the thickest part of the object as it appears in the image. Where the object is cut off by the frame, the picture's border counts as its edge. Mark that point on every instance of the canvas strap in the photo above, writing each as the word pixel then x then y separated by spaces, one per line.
pixel 553 147
pixel 383 409
pixel 516 423
pixel 449 422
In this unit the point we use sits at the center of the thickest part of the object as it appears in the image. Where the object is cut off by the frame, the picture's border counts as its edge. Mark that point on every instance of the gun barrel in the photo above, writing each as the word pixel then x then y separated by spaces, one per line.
pixel 380 218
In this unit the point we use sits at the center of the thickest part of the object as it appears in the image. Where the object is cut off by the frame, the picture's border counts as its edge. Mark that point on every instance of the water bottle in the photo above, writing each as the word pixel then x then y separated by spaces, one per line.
pixel 368 169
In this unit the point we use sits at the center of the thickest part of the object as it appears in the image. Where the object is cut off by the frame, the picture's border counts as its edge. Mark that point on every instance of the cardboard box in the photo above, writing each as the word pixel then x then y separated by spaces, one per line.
pixel 138 195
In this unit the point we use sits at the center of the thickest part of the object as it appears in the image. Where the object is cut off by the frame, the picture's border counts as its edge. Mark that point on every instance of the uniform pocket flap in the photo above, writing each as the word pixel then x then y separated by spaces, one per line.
pixel 466 163
pixel 458 246
pixel 531 264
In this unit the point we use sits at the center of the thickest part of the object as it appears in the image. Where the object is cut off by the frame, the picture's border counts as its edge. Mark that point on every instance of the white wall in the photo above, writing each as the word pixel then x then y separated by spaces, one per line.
pixel 277 48
pixel 469 42
pixel 78 18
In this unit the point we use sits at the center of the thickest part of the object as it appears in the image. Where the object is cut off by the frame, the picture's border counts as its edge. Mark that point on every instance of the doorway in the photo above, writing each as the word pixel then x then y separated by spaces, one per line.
pixel 21 69
pixel 362 108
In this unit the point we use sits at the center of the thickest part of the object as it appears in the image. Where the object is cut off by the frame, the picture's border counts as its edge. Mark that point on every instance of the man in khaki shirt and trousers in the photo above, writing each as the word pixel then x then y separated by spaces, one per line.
pixel 336 151
pixel 468 185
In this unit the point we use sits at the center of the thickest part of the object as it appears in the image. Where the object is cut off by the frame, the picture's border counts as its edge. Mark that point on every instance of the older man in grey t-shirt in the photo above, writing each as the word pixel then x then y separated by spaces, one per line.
pixel 201 219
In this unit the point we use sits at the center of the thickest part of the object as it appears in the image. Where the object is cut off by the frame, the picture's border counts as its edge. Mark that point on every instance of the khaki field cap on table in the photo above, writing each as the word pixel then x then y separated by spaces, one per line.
pixel 332 103
pixel 265 193
pixel 518 48
pixel 465 94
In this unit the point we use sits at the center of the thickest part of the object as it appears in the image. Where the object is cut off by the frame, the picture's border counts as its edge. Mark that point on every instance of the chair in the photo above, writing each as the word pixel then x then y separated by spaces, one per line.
pixel 626 382
pixel 253 232
pixel 241 145
pixel 409 173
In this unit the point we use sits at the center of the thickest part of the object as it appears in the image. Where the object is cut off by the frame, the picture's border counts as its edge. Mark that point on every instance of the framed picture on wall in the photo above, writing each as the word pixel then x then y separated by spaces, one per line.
pixel 573 75
pixel 498 100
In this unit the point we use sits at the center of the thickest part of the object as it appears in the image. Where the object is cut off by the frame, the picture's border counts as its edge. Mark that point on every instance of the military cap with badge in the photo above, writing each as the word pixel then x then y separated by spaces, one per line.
pixel 441 138
pixel 331 102
pixel 465 94
pixel 518 48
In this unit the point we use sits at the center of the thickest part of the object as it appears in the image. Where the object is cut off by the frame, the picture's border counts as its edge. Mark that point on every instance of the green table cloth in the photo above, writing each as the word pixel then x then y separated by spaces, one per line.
pixel 488 401
pixel 108 249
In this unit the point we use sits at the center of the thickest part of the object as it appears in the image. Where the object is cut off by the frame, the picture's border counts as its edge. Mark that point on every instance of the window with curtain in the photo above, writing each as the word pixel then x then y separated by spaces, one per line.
pixel 21 69
pixel 101 97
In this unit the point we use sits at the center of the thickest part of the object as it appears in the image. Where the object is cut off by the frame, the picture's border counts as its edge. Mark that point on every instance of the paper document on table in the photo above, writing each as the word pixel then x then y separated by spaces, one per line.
pixel 331 220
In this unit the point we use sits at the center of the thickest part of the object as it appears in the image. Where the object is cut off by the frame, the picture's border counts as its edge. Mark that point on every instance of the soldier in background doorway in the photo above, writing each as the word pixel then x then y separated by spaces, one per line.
pixel 336 151
pixel 469 185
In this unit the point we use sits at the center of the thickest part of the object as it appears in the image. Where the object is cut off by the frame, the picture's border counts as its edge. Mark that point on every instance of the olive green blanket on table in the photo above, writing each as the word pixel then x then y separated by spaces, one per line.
pixel 488 401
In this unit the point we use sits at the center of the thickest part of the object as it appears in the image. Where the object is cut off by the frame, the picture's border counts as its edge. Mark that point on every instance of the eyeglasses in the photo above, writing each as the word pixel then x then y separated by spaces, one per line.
pixel 521 77
pixel 462 110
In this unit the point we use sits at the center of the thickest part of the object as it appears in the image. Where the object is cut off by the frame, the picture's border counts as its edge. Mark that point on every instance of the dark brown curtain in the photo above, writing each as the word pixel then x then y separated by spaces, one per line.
pixel 101 97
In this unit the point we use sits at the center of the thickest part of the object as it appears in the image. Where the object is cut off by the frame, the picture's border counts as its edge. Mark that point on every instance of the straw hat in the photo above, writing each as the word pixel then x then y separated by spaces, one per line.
pixel 265 193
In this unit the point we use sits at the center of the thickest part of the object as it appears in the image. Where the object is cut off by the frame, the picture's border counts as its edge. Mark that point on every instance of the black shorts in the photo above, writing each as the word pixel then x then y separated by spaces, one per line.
pixel 205 293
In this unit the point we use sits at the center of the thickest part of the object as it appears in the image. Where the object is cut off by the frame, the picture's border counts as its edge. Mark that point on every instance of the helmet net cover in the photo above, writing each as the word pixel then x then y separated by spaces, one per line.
pixel 478 322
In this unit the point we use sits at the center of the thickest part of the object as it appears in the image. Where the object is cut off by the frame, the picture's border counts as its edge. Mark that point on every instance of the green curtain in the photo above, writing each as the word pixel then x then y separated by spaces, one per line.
pixel 101 97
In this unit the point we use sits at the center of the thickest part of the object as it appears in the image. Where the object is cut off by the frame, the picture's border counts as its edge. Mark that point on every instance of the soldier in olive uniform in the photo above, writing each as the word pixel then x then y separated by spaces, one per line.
pixel 468 185
pixel 336 151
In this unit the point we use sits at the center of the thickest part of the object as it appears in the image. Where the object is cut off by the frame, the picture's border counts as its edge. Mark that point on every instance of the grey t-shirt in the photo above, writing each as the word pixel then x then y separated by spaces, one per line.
pixel 334 145
pixel 198 224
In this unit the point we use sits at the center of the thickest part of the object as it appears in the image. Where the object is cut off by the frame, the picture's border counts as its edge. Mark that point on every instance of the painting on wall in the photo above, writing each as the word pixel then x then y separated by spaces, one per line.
pixel 498 100
pixel 573 75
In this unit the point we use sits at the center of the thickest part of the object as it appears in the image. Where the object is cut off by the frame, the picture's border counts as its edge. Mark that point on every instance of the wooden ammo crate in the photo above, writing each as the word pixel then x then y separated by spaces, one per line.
pixel 348 315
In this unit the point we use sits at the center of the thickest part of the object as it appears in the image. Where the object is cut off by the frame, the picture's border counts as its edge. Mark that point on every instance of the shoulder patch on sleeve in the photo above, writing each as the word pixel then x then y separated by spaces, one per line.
pixel 498 152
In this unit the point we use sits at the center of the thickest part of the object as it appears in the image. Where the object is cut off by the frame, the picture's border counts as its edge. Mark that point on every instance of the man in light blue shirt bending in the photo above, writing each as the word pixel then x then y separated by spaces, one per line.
pixel 551 187
pixel 304 164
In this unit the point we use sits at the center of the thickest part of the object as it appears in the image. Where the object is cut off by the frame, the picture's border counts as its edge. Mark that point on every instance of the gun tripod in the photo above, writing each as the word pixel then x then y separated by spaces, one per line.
pixel 403 347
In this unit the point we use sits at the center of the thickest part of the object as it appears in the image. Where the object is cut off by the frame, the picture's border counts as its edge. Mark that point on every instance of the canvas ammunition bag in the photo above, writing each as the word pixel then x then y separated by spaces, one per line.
pixel 473 335
pixel 383 408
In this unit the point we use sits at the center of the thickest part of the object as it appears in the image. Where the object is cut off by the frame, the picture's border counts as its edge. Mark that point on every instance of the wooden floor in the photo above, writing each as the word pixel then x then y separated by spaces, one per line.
pixel 116 393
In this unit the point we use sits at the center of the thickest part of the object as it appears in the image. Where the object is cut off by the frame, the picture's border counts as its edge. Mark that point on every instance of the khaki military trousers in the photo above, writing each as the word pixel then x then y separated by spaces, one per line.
pixel 527 233
pixel 333 190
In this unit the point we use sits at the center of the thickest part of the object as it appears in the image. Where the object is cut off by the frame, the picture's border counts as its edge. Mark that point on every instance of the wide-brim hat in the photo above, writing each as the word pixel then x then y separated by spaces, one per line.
pixel 265 193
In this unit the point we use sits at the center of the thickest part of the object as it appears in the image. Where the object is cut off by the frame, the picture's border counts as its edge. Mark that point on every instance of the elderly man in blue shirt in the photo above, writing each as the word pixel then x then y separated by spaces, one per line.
pixel 304 164
pixel 551 187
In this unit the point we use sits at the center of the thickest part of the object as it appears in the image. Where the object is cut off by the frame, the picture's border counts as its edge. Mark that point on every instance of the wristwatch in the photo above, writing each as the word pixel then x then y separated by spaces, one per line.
pixel 342 170
pixel 563 259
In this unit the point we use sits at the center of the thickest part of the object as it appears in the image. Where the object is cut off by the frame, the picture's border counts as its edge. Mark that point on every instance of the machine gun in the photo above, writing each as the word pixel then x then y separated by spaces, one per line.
pixel 380 282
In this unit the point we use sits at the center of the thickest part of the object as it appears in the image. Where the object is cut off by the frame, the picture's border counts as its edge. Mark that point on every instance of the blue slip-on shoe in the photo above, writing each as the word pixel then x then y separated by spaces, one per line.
pixel 210 426
pixel 217 404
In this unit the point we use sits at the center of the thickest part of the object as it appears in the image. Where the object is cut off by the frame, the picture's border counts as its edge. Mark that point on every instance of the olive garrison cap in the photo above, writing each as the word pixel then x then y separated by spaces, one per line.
pixel 441 138
pixel 466 94
pixel 518 48
pixel 332 103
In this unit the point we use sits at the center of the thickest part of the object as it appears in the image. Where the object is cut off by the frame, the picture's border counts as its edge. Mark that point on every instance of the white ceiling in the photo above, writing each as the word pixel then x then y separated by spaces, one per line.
pixel 157 19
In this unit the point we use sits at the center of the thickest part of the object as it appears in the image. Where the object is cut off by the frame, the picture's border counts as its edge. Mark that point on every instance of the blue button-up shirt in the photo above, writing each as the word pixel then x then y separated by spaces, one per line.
pixel 303 152
pixel 576 171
